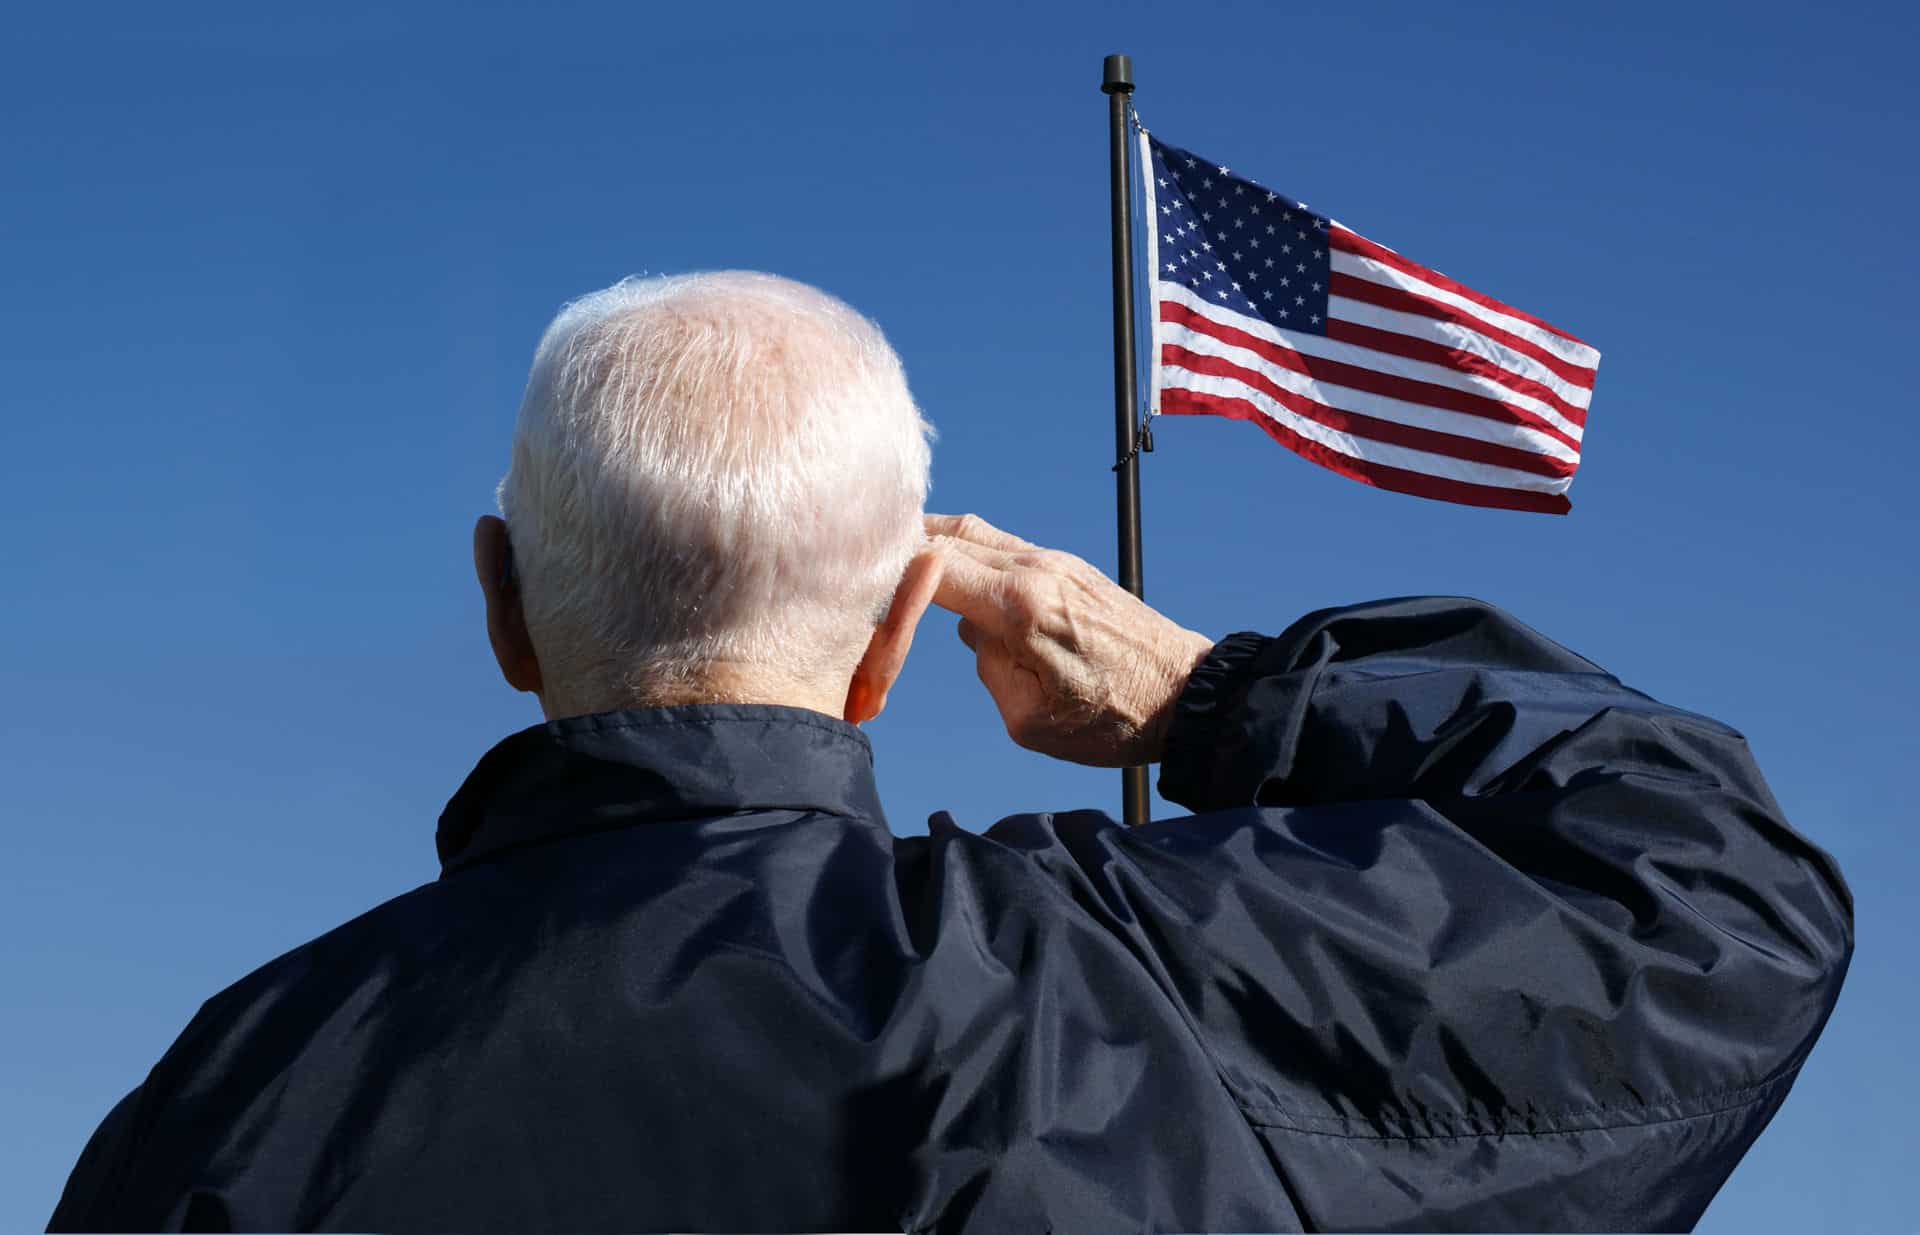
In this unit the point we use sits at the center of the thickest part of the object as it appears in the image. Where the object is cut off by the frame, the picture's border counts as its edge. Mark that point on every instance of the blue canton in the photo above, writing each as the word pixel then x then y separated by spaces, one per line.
pixel 1238 244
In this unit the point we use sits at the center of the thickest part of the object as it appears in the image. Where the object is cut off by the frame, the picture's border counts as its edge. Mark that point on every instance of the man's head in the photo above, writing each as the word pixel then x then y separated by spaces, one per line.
pixel 716 488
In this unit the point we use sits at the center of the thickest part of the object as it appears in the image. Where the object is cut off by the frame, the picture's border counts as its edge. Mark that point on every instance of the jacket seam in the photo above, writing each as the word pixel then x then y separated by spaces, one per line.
pixel 1745 1096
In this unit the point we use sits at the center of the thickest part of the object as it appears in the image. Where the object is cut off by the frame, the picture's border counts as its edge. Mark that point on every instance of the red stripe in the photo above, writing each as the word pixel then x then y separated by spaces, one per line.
pixel 1376 339
pixel 1399 480
pixel 1372 427
pixel 1403 301
pixel 1360 246
pixel 1357 377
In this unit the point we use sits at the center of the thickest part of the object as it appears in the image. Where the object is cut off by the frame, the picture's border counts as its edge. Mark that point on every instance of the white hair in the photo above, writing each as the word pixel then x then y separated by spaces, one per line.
pixel 717 468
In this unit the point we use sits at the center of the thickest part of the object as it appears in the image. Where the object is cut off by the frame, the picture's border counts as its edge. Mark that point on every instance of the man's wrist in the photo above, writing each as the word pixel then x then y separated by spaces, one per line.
pixel 1193 650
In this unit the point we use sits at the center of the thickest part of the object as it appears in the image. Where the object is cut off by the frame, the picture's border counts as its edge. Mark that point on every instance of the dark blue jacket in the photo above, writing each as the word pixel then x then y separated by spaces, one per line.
pixel 1463 934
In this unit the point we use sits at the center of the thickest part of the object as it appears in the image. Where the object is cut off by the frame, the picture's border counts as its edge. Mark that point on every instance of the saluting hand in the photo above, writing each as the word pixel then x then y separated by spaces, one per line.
pixel 1080 668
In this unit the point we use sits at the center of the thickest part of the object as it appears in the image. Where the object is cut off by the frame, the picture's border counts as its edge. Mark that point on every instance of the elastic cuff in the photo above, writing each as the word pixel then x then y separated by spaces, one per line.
pixel 1204 716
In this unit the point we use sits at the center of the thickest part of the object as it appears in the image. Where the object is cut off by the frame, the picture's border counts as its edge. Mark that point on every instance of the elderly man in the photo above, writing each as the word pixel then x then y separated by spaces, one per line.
pixel 1463 934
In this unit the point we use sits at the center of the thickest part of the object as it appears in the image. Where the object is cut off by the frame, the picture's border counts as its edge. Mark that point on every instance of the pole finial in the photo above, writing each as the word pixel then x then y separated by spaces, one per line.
pixel 1116 75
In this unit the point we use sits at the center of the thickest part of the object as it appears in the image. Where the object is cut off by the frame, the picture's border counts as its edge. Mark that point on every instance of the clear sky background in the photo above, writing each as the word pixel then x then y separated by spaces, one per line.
pixel 270 280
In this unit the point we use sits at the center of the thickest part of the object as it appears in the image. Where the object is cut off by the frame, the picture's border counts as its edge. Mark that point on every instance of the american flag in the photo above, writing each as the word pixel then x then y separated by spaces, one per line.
pixel 1349 354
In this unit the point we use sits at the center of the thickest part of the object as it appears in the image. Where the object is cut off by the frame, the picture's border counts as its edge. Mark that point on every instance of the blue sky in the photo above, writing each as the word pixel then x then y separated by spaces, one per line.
pixel 272 278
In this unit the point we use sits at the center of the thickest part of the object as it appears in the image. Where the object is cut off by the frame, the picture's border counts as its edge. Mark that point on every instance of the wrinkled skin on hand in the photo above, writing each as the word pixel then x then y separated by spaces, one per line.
pixel 1080 668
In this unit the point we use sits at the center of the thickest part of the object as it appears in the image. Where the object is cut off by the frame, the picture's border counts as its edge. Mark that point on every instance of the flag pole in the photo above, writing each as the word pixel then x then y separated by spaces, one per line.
pixel 1117 83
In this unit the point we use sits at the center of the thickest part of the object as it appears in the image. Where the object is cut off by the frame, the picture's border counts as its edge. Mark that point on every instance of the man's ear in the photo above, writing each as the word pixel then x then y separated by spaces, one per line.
pixel 886 653
pixel 506 623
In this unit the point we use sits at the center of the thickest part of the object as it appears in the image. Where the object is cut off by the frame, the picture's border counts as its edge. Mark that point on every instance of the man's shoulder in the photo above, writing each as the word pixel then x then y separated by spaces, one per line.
pixel 386 946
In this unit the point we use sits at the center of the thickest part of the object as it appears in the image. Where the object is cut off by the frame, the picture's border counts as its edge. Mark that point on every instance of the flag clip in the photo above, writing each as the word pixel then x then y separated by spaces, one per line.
pixel 1142 444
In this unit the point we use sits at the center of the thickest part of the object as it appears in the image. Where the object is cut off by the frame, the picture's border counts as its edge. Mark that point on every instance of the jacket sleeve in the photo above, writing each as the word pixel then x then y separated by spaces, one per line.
pixel 1476 936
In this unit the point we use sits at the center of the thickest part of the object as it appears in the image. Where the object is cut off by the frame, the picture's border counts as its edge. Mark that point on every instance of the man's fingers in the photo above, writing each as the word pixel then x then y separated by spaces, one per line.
pixel 975 530
pixel 972 584
pixel 1014 687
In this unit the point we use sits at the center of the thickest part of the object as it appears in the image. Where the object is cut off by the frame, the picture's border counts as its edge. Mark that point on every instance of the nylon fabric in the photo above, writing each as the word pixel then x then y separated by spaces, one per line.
pixel 1466 935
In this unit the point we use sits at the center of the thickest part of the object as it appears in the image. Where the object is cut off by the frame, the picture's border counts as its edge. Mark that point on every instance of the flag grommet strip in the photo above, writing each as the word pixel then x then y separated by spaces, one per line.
pixel 1153 270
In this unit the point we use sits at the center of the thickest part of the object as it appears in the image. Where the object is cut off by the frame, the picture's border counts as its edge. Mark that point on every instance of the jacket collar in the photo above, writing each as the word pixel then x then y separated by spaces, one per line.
pixel 614 769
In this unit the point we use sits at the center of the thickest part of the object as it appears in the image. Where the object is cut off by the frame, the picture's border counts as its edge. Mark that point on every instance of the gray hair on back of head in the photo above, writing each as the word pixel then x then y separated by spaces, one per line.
pixel 715 468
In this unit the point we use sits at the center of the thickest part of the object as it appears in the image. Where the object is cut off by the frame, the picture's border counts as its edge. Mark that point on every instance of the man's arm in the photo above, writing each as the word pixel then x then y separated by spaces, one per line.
pixel 1477 936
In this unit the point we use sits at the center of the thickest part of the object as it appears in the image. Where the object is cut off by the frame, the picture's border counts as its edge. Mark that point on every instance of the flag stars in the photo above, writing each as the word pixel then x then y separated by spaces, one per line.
pixel 1212 237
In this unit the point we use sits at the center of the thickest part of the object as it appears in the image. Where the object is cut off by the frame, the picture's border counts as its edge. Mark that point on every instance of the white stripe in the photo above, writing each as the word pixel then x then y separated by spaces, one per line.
pixel 1153 274
pixel 1367 358
pixel 1365 449
pixel 1385 275
pixel 1460 338
pixel 1519 437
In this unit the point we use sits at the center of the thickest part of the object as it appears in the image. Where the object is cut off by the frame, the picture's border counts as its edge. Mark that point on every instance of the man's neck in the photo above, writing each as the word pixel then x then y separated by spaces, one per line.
pixel 718 686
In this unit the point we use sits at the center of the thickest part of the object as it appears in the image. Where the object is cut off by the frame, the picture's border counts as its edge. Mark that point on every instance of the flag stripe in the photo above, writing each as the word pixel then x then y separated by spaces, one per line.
pixel 1309 343
pixel 1373 428
pixel 1577 354
pixel 1520 437
pixel 1343 330
pixel 1347 240
pixel 1176 401
pixel 1307 354
pixel 1391 454
pixel 1444 322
